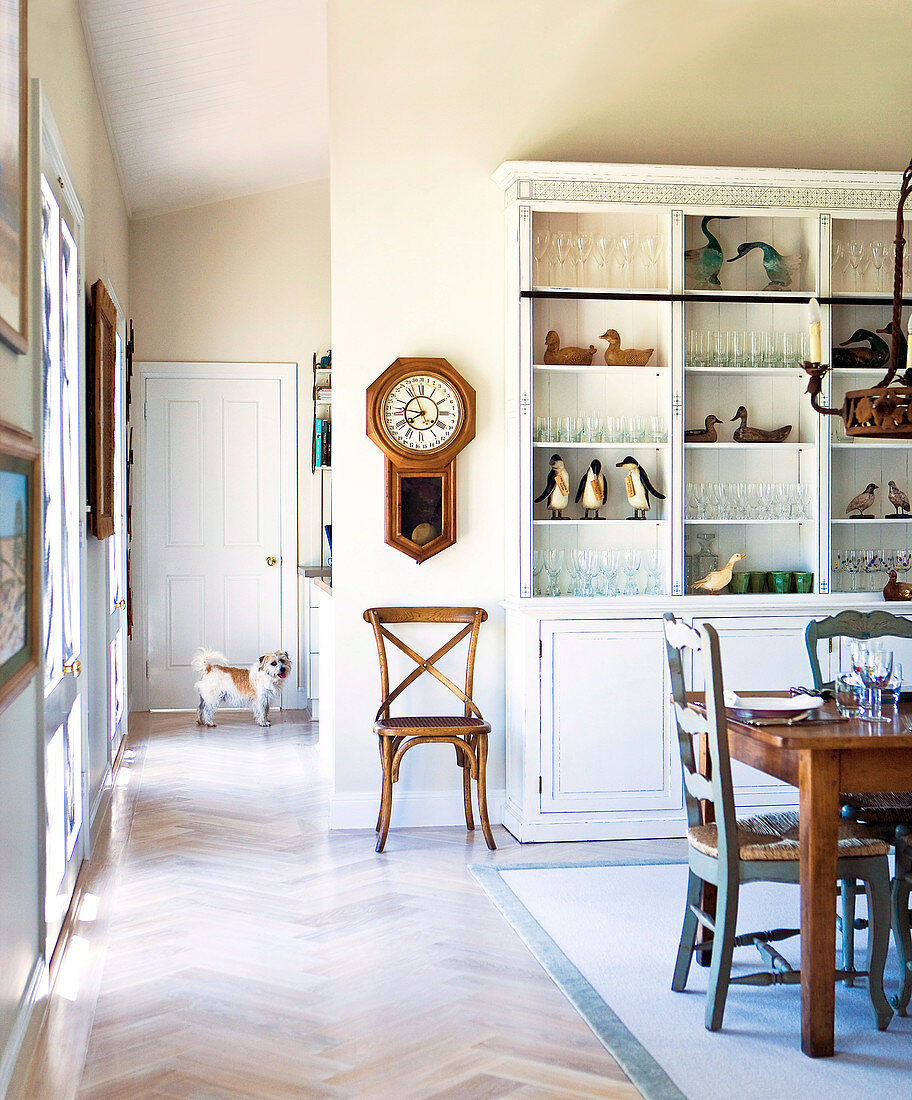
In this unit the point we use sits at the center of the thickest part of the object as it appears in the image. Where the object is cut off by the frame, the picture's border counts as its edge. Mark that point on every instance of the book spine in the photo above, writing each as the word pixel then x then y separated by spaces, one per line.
pixel 318 438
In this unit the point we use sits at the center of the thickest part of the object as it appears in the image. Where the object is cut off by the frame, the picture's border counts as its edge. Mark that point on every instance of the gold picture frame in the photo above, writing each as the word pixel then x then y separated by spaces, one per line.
pixel 13 180
pixel 20 579
pixel 101 397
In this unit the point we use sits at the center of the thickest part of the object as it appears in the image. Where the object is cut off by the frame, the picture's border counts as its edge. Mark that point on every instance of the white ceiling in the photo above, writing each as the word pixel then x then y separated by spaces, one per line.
pixel 210 99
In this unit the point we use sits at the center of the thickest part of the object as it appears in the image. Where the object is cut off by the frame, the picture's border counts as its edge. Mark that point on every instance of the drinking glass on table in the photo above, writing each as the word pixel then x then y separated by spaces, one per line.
pixel 849 690
pixel 893 687
pixel 876 667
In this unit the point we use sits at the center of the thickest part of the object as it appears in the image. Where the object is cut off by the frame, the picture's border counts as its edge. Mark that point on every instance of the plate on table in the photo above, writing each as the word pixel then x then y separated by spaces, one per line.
pixel 771 709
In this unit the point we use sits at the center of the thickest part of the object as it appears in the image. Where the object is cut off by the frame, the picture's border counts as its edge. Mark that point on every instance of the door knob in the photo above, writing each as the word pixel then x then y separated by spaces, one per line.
pixel 73 670
pixel 121 605
pixel 271 560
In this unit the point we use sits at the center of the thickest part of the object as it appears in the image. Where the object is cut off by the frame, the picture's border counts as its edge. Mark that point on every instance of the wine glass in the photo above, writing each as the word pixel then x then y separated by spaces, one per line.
pixel 651 249
pixel 876 667
pixel 858 258
pixel 632 562
pixel 554 566
pixel 603 246
pixel 851 563
pixel 561 249
pixel 612 562
pixel 541 240
pixel 878 257
pixel 624 247
pixel 653 572
pixel 582 247
pixel 538 566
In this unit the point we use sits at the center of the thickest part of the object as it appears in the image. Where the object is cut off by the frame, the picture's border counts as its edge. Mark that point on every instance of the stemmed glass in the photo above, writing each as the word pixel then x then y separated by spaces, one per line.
pixel 624 247
pixel 612 562
pixel 903 561
pixel 603 245
pixel 858 258
pixel 632 561
pixel 554 566
pixel 871 564
pixel 561 248
pixel 651 249
pixel 582 247
pixel 851 563
pixel 838 567
pixel 541 239
pixel 876 667
pixel 878 257
pixel 653 572
pixel 538 566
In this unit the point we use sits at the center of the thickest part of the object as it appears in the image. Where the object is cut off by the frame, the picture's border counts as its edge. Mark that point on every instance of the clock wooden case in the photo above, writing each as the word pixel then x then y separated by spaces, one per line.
pixel 420 413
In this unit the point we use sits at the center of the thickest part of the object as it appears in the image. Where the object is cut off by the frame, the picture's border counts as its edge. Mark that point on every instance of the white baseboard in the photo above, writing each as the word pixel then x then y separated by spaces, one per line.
pixel 35 994
pixel 411 809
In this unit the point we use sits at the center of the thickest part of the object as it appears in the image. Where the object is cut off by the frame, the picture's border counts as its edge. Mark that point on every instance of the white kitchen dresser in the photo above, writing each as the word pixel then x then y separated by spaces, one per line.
pixel 590 749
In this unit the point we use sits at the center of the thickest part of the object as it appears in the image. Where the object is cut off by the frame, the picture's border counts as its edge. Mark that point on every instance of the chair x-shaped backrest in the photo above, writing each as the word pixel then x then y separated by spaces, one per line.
pixel 473 617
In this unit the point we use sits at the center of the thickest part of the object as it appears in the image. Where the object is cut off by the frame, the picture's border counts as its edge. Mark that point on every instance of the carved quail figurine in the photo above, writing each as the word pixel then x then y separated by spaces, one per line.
pixel 706 434
pixel 899 500
pixel 863 501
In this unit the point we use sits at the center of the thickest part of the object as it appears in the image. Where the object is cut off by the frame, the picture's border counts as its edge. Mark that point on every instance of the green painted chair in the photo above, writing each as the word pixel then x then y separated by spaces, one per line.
pixel 888 811
pixel 902 936
pixel 729 852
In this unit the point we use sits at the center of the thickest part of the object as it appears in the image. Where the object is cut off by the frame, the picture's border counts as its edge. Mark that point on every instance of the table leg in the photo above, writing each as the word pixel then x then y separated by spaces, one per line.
pixel 819 800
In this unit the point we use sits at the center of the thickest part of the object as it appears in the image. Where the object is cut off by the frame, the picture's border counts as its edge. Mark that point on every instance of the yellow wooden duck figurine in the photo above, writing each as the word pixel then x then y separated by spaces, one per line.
pixel 744 434
pixel 570 357
pixel 616 356
pixel 716 580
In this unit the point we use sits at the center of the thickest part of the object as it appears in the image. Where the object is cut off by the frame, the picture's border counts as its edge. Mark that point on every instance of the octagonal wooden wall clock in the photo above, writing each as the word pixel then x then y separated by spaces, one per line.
pixel 420 413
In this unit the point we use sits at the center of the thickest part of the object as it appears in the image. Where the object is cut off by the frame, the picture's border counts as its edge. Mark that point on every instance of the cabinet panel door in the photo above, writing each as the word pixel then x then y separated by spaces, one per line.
pixel 606 739
pixel 758 655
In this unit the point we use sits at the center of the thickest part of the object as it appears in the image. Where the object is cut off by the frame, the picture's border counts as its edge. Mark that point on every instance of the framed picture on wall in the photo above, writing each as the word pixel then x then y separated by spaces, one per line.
pixel 13 167
pixel 100 397
pixel 20 585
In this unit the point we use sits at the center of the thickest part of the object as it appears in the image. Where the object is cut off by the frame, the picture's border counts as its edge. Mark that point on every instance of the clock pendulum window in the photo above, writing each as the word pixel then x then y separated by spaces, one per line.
pixel 420 413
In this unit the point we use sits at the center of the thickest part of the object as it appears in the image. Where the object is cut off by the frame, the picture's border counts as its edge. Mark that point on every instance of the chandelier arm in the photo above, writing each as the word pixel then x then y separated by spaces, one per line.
pixel 900 245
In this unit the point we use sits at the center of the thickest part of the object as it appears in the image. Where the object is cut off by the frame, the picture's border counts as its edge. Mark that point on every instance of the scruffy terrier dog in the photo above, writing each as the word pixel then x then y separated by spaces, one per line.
pixel 253 687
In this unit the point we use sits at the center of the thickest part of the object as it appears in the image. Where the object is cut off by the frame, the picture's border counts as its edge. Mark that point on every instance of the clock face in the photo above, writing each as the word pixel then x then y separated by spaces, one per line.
pixel 422 412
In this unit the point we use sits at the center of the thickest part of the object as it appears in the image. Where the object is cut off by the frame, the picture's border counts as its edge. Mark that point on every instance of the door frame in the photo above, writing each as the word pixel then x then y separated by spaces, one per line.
pixel 286 375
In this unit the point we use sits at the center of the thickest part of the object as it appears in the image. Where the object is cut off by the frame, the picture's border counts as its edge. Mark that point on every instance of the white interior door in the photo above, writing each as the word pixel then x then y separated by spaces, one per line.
pixel 64 560
pixel 117 564
pixel 213 525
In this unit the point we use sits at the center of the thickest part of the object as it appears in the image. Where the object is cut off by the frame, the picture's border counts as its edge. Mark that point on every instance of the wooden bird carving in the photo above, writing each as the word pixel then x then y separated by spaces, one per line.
pixel 744 434
pixel 896 590
pixel 717 579
pixel 706 434
pixel 863 501
pixel 570 357
pixel 873 356
pixel 898 499
pixel 616 356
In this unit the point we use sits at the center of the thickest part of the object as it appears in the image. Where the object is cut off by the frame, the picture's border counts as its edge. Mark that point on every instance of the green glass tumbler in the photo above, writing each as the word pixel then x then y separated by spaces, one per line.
pixel 780 581
pixel 739 583
pixel 756 582
pixel 804 582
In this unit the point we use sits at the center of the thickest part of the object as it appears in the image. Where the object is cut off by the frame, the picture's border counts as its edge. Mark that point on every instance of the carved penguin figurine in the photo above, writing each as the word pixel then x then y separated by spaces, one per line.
pixel 557 488
pixel 638 487
pixel 593 490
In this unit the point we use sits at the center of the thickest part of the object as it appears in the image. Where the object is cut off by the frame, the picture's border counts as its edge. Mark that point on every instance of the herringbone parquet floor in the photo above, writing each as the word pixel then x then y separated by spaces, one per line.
pixel 240 949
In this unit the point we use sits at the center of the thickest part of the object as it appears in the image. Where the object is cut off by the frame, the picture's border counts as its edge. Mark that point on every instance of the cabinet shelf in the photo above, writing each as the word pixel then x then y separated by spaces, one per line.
pixel 597 523
pixel 730 446
pixel 604 446
pixel 745 522
pixel 555 369
pixel 785 372
pixel 874 519
pixel 871 445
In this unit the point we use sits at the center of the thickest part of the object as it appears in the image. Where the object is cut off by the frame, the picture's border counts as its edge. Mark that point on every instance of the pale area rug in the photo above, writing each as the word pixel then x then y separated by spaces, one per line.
pixel 607 935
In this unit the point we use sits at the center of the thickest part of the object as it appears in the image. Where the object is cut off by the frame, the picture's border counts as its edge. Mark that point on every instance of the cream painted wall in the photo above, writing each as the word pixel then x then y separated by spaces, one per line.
pixel 57 56
pixel 425 101
pixel 242 280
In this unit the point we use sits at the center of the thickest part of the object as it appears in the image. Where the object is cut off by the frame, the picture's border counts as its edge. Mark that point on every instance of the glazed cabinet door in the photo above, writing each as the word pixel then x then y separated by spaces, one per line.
pixel 606 741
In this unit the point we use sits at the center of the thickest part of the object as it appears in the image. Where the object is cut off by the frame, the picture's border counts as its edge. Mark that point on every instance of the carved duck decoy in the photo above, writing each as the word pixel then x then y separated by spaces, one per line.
pixel 571 357
pixel 905 377
pixel 702 265
pixel 616 356
pixel 896 590
pixel 873 356
pixel 706 434
pixel 899 500
pixel 744 434
pixel 779 269
pixel 716 580
pixel 862 502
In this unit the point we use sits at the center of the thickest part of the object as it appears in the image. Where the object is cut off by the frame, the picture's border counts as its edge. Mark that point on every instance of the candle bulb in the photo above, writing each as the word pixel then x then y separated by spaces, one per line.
pixel 814 319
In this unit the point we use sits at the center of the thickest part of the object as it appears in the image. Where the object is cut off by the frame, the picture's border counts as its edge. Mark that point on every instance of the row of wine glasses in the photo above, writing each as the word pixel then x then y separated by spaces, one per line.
pixel 746 349
pixel 744 500
pixel 866 570
pixel 568 252
pixel 598 572
pixel 862 257
pixel 600 429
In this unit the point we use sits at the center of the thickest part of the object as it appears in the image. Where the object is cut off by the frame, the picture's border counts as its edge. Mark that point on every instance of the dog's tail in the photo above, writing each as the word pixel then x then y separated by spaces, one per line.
pixel 204 659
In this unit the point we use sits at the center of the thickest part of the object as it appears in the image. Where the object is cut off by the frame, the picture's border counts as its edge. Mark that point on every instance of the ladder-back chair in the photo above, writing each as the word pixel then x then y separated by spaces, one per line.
pixel 889 811
pixel 727 852
pixel 468 732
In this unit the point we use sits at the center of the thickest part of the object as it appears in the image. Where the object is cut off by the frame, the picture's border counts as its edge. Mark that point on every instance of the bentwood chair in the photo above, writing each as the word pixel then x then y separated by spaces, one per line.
pixel 887 811
pixel 468 732
pixel 728 852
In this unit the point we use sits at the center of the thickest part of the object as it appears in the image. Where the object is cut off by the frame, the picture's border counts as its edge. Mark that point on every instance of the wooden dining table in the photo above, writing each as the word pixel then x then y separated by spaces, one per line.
pixel 823 759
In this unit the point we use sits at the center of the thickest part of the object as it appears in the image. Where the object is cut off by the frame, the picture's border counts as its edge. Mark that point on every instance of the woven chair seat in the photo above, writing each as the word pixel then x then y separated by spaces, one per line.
pixel 775 836
pixel 406 724
pixel 881 807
